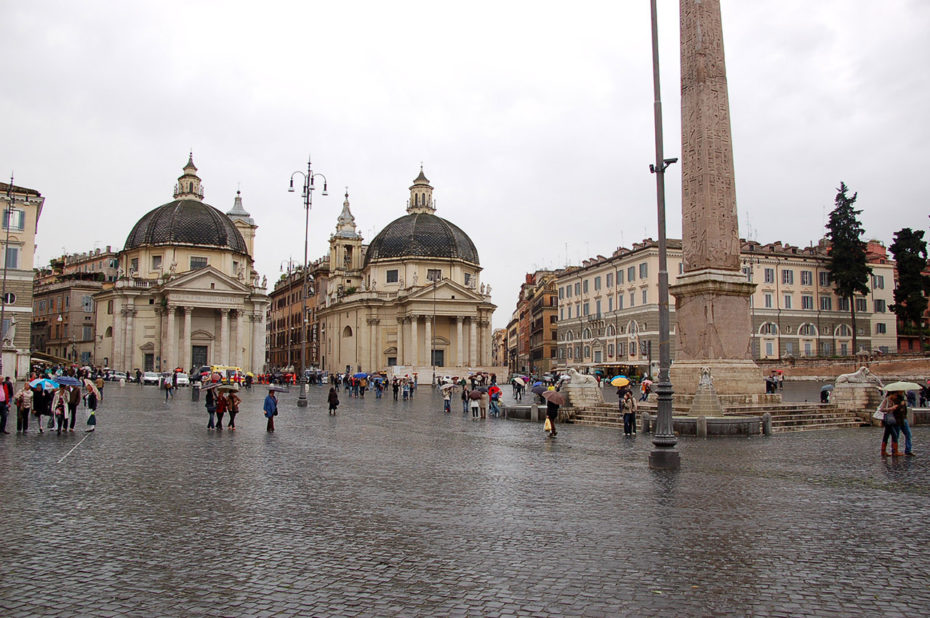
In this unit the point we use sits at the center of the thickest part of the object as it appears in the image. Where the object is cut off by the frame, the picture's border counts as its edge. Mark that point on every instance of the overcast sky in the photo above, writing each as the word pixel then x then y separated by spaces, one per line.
pixel 533 120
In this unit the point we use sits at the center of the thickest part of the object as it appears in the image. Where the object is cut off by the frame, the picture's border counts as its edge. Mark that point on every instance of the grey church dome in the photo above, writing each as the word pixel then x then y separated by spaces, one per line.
pixel 422 234
pixel 186 222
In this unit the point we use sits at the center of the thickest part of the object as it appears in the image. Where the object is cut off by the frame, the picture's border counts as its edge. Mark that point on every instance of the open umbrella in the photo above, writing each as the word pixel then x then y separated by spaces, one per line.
pixel 44 383
pixel 68 381
pixel 619 381
pixel 447 387
pixel 92 387
pixel 540 388
pixel 360 375
pixel 902 386
pixel 555 397
pixel 519 382
pixel 494 389
pixel 475 395
pixel 826 387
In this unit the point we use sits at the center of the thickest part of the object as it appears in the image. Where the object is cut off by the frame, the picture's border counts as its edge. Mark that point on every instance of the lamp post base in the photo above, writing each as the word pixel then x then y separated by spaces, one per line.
pixel 665 459
pixel 302 398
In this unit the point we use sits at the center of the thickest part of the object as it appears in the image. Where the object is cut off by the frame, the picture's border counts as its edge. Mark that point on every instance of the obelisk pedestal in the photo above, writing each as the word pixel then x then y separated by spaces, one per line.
pixel 712 295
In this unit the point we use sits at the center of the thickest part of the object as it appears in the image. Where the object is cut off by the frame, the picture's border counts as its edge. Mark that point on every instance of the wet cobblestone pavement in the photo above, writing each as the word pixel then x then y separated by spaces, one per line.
pixel 398 509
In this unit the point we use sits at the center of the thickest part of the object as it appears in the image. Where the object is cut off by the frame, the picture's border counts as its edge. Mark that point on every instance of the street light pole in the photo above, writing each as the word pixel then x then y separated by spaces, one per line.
pixel 664 455
pixel 6 249
pixel 307 194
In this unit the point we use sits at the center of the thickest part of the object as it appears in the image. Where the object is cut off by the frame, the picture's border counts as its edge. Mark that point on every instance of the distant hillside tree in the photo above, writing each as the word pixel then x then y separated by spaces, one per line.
pixel 913 286
pixel 848 267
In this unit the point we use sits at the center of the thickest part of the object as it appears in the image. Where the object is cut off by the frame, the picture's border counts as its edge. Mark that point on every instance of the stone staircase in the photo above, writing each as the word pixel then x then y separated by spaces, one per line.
pixel 801 416
pixel 785 416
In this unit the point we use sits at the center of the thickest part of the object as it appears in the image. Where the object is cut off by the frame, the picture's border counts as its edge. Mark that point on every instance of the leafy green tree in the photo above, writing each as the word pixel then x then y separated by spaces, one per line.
pixel 849 269
pixel 910 294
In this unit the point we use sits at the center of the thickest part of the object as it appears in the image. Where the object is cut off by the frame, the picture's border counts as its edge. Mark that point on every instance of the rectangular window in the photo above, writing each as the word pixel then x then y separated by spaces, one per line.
pixel 597 283
pixel 12 257
pixel 561 293
pixel 789 348
pixel 619 277
pixel 631 274
pixel 433 274
pixel 842 304
pixel 610 280
pixel 156 262
pixel 787 301
pixel 620 301
pixel 770 275
pixel 610 350
pixel 861 305
pixel 632 299
pixel 610 303
pixel 807 277
pixel 87 333
pixel 824 277
pixel 198 262
pixel 597 308
pixel 807 301
pixel 584 286
pixel 644 270
pixel 562 313
pixel 878 282
pixel 747 270
pixel 768 301
pixel 467 280
pixel 586 308
pixel 15 219
pixel 879 306
pixel 681 268
pixel 577 289
pixel 787 276
pixel 645 296
pixel 577 310
pixel 826 303
pixel 769 348
pixel 880 328
pixel 392 277
pixel 134 265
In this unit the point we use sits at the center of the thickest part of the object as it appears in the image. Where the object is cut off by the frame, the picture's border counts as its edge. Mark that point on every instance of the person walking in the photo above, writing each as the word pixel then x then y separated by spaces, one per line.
pixel 271 409
pixel 91 402
pixel 447 400
pixel 24 408
pixel 900 415
pixel 395 386
pixel 552 413
pixel 74 400
pixel 210 403
pixel 890 406
pixel 628 408
pixel 464 398
pixel 60 407
pixel 475 407
pixel 333 400
pixel 483 404
pixel 222 404
pixel 233 408
pixel 4 408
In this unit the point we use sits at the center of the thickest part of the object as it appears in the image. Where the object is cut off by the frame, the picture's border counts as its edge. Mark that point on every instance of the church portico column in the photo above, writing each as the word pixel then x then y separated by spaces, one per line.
pixel 186 352
pixel 485 348
pixel 374 350
pixel 459 347
pixel 171 339
pixel 428 340
pixel 127 352
pixel 239 357
pixel 401 360
pixel 258 343
pixel 414 344
pixel 473 342
pixel 116 355
pixel 224 337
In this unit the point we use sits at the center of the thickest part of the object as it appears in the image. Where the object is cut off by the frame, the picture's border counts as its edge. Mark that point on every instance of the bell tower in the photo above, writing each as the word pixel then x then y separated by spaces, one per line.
pixel 345 248
pixel 421 195
pixel 189 187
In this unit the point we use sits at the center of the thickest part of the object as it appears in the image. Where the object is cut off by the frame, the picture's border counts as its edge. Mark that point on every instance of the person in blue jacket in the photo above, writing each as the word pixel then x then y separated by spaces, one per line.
pixel 271 409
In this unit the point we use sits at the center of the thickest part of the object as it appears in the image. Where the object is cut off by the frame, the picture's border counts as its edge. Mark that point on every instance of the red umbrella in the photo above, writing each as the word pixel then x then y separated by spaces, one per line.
pixel 494 389
pixel 475 394
pixel 555 397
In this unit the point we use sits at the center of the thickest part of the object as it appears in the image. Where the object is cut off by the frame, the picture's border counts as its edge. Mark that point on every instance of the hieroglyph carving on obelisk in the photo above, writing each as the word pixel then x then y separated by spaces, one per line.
pixel 710 236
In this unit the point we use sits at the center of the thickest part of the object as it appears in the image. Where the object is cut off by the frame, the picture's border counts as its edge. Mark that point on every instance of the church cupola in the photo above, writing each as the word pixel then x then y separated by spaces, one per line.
pixel 345 225
pixel 189 187
pixel 421 195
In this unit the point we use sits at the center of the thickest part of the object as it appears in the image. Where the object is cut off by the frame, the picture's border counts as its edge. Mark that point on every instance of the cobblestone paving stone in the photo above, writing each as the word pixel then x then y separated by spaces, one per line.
pixel 394 508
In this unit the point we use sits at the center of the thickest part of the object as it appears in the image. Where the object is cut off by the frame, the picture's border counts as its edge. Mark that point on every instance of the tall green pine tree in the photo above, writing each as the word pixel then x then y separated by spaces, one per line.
pixel 910 294
pixel 849 269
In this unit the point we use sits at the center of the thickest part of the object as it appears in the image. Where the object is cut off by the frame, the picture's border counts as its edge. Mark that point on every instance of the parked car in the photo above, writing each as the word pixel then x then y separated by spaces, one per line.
pixel 116 376
pixel 150 377
pixel 183 379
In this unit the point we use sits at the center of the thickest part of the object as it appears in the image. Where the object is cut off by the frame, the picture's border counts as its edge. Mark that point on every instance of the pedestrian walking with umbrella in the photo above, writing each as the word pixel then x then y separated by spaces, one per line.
pixel 447 390
pixel 474 397
pixel 333 400
pixel 271 409
pixel 554 399
pixel 91 397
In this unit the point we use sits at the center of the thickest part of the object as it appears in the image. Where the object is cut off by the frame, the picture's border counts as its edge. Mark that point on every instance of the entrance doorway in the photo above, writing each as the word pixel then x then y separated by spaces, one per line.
pixel 439 358
pixel 148 362
pixel 198 355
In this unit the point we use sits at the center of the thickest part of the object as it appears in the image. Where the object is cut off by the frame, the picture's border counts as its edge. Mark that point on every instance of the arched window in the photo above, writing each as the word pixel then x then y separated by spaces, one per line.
pixel 109 332
pixel 843 331
pixel 347 331
pixel 768 328
pixel 611 331
pixel 632 328
pixel 586 333
pixel 807 330
pixel 569 336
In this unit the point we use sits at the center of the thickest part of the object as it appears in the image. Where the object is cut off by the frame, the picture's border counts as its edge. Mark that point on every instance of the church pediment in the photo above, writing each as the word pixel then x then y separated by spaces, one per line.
pixel 207 279
pixel 446 290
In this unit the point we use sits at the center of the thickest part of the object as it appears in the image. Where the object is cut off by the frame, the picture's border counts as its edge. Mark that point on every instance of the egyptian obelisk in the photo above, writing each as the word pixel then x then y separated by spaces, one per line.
pixel 712 295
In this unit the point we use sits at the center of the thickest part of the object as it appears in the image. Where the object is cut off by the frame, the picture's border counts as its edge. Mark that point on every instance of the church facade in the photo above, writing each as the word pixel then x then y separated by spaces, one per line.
pixel 186 292
pixel 411 300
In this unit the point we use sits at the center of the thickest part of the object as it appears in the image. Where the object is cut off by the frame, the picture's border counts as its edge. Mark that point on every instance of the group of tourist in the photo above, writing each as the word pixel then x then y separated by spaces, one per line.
pixel 60 404
pixel 894 420
pixel 219 403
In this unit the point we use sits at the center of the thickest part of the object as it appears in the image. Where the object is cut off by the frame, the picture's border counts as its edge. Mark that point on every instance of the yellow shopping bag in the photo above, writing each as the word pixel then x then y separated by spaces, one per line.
pixel 548 425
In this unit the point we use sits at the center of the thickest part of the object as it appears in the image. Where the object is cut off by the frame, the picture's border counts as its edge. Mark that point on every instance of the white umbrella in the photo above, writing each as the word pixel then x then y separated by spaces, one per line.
pixel 519 382
pixel 447 387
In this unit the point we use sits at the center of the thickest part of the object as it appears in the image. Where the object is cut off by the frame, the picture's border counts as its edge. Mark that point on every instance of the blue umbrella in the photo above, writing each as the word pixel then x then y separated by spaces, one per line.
pixel 44 383
pixel 68 381
pixel 360 375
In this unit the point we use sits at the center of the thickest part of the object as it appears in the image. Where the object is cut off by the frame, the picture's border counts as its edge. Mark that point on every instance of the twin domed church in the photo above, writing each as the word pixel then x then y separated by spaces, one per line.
pixel 187 293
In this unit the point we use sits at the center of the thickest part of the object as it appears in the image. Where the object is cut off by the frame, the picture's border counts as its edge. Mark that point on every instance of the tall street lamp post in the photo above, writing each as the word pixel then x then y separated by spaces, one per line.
pixel 307 194
pixel 8 215
pixel 664 455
